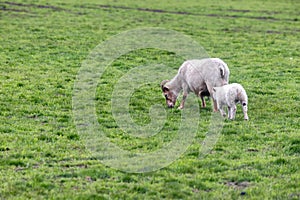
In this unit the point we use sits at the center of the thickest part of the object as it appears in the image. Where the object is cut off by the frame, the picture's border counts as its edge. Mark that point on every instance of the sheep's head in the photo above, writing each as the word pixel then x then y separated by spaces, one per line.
pixel 169 95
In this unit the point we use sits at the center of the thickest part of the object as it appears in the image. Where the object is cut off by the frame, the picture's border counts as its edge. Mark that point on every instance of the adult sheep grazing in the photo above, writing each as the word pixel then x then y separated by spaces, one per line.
pixel 197 76
pixel 229 95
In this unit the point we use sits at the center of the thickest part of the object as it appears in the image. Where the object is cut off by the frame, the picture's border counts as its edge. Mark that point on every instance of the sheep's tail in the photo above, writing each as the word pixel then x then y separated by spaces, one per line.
pixel 222 69
pixel 222 66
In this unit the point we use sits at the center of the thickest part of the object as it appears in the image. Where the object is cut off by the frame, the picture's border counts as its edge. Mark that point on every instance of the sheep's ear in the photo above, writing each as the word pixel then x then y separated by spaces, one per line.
pixel 165 89
pixel 162 85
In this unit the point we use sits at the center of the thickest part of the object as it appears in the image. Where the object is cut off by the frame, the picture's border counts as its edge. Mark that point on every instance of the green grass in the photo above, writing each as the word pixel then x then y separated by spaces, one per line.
pixel 42 47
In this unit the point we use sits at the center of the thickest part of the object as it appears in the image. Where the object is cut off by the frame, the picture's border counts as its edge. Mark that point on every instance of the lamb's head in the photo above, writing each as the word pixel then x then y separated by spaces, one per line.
pixel 214 93
pixel 169 94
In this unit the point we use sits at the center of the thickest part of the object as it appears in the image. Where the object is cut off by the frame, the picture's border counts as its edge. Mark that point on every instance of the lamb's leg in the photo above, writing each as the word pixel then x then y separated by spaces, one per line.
pixel 246 116
pixel 233 109
pixel 223 113
pixel 245 112
pixel 220 108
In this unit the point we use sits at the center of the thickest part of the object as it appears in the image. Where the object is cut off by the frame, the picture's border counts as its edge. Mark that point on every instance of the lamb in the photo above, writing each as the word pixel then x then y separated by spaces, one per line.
pixel 198 76
pixel 229 95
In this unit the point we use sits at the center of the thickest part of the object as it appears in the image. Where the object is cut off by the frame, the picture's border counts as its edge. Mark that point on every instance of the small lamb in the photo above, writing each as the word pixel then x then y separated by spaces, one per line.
pixel 229 95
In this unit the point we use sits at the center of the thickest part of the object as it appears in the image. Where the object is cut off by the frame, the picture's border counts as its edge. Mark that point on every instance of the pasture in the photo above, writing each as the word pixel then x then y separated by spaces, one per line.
pixel 43 45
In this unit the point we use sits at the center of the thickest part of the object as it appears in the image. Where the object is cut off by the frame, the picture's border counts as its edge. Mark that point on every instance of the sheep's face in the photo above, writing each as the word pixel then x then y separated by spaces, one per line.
pixel 169 95
pixel 170 98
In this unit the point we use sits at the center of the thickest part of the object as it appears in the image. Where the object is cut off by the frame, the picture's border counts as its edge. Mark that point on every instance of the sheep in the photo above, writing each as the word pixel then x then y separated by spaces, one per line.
pixel 198 76
pixel 229 95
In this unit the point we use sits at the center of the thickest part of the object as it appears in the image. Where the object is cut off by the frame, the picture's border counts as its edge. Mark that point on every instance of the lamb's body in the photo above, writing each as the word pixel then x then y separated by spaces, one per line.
pixel 230 95
pixel 197 76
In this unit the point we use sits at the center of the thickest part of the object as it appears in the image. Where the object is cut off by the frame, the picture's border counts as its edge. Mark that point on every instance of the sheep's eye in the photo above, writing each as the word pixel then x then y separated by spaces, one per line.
pixel 166 96
pixel 244 104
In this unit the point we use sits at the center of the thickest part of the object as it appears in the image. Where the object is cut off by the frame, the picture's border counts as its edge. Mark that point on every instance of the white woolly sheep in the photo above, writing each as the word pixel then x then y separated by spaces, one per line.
pixel 229 95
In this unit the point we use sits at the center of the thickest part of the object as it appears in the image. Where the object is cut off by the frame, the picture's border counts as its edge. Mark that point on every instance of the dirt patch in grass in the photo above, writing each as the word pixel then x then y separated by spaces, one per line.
pixel 238 185
pixel 188 13
pixel 32 5
pixel 4 7
pixel 26 8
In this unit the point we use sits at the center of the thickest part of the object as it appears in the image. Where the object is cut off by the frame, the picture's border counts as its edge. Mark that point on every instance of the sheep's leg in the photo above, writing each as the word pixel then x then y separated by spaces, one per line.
pixel 202 99
pixel 210 90
pixel 229 112
pixel 215 106
pixel 203 102
pixel 183 100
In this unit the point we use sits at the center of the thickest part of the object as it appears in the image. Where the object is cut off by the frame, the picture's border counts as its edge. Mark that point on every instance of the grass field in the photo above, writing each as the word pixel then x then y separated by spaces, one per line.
pixel 42 47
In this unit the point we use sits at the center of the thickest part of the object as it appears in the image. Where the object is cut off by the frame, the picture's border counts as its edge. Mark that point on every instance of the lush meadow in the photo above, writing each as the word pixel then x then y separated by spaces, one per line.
pixel 42 47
